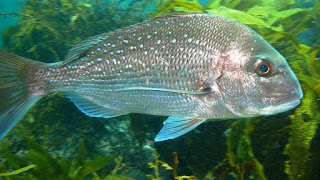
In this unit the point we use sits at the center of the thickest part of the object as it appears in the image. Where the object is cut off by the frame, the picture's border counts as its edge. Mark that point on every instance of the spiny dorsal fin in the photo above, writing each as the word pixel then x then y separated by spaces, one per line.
pixel 79 50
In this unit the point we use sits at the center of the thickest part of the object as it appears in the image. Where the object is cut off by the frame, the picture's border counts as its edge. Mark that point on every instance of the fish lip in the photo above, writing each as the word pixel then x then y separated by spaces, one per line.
pixel 271 110
pixel 283 103
pixel 286 99
pixel 290 105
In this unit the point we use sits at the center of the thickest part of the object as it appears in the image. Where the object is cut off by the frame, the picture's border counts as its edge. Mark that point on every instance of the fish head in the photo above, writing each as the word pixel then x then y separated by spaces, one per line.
pixel 256 79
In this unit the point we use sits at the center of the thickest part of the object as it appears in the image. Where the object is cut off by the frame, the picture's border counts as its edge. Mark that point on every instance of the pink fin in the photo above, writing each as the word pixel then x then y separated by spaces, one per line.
pixel 78 50
pixel 177 126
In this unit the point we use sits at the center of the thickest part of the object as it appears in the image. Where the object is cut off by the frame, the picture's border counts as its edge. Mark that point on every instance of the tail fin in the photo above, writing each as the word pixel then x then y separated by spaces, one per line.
pixel 15 98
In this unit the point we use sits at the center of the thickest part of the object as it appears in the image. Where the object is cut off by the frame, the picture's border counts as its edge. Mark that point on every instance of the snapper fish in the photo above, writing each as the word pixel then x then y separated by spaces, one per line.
pixel 190 67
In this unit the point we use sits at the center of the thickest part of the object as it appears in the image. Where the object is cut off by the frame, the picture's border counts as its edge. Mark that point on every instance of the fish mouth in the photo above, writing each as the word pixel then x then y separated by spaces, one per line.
pixel 283 103
pixel 286 99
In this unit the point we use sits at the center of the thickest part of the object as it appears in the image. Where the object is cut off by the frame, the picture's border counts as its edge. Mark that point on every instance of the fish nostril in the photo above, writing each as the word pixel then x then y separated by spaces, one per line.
pixel 282 70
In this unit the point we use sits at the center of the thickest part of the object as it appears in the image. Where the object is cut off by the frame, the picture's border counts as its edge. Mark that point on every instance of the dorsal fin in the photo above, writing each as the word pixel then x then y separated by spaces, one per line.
pixel 79 50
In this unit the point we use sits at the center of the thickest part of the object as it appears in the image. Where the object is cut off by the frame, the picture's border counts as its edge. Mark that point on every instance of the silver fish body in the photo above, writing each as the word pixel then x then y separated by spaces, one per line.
pixel 191 67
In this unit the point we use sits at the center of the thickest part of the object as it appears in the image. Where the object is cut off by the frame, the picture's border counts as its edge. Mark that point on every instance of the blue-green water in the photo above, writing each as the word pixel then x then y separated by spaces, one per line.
pixel 64 143
pixel 6 21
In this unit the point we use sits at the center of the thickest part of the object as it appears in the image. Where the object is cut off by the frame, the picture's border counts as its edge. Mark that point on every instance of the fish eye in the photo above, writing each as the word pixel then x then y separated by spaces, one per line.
pixel 264 68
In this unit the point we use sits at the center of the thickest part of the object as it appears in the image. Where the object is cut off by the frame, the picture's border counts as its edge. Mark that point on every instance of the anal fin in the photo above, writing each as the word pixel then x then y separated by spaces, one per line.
pixel 92 109
pixel 177 126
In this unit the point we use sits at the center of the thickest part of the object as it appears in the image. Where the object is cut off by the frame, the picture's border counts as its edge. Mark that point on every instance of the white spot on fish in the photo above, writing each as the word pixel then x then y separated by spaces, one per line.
pixel 156 32
pixel 99 59
pixel 139 38
pixel 112 45
pixel 125 41
pixel 148 36
pixel 159 41
pixel 118 51
pixel 98 49
pixel 145 52
pixel 166 23
pixel 173 40
pixel 104 50
pixel 197 41
pixel 189 40
pixel 133 34
pixel 111 53
pixel 141 45
pixel 185 35
pixel 131 47
pixel 170 32
pixel 104 45
pixel 181 24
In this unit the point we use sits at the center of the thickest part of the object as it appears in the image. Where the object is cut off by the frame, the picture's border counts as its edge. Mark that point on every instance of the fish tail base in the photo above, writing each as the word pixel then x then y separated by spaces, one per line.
pixel 16 98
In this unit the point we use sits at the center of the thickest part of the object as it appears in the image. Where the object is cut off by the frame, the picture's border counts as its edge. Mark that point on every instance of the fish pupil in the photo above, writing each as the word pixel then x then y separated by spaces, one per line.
pixel 263 68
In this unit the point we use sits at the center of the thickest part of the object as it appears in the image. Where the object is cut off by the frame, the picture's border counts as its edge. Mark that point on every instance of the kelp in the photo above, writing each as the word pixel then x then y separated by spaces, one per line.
pixel 240 154
pixel 304 124
pixel 44 165
pixel 18 171
pixel 169 6
pixel 47 29
pixel 158 163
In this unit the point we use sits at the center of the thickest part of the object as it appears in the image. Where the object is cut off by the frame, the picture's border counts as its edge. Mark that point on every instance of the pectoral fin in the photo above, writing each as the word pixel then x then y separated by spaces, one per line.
pixel 177 126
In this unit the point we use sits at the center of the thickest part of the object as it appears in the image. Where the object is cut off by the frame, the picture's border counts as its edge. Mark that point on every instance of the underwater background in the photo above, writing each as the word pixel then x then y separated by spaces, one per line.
pixel 55 140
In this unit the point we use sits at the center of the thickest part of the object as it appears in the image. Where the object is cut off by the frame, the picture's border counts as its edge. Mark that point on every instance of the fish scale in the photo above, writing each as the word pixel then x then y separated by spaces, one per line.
pixel 149 62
